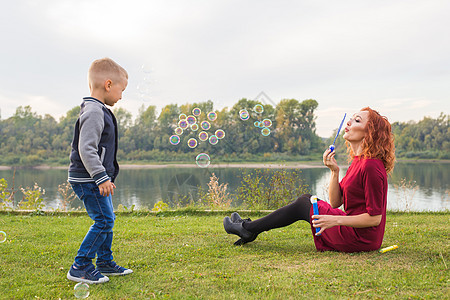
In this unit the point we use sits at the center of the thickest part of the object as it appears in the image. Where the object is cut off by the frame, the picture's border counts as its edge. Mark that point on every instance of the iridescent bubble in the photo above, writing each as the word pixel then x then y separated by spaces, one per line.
pixel 212 116
pixel 261 125
pixel 196 111
pixel 213 140
pixel 81 290
pixel 178 131
pixel 183 124
pixel 194 127
pixel 192 143
pixel 265 131
pixel 256 124
pixel 267 122
pixel 203 160
pixel 191 120
pixel 203 136
pixel 174 140
pixel 244 115
pixel 2 236
pixel 205 125
pixel 259 109
pixel 143 89
pixel 182 117
pixel 220 134
pixel 146 68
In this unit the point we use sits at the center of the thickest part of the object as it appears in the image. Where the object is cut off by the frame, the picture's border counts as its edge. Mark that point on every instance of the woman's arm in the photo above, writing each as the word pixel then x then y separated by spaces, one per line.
pixel 334 191
pixel 357 221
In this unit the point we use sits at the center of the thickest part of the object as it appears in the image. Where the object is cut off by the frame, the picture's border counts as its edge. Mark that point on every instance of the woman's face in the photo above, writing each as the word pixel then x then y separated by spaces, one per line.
pixel 354 131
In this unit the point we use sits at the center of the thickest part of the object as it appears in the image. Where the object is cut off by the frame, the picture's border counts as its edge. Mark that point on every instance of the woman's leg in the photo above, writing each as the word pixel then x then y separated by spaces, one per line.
pixel 249 230
pixel 284 216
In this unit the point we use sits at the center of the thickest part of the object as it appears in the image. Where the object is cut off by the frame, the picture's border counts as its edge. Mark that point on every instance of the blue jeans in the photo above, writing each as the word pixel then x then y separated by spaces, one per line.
pixel 98 239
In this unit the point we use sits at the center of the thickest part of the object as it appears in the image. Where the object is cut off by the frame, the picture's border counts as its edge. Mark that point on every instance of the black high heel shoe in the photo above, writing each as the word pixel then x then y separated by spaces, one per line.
pixel 236 218
pixel 238 229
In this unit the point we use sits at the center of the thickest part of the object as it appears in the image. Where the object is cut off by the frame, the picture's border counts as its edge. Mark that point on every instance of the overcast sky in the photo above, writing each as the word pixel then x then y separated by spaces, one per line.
pixel 393 56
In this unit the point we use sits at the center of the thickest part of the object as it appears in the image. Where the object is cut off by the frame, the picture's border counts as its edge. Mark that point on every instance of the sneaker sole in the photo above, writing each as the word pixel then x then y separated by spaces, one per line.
pixel 118 274
pixel 78 279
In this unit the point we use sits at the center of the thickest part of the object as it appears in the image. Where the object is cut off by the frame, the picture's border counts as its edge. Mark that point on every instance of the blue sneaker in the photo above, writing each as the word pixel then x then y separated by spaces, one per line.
pixel 111 268
pixel 88 274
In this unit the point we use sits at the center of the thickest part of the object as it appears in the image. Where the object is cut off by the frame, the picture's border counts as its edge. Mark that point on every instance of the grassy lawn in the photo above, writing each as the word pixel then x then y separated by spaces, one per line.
pixel 188 255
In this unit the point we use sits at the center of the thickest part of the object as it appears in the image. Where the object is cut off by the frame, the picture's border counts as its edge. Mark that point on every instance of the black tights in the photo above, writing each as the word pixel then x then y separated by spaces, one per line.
pixel 284 216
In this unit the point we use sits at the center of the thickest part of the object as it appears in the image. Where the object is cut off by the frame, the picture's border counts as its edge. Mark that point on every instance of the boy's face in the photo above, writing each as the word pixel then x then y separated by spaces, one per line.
pixel 114 90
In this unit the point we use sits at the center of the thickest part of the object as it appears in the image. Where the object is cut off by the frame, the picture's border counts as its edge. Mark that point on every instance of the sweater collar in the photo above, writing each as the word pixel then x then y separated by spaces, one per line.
pixel 93 99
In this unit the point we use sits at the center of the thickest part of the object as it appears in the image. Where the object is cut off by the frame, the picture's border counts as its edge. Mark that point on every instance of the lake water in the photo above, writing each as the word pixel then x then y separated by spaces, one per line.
pixel 412 186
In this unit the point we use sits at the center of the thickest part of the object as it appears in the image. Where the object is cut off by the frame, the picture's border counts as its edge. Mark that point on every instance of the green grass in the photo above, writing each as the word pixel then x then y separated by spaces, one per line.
pixel 188 255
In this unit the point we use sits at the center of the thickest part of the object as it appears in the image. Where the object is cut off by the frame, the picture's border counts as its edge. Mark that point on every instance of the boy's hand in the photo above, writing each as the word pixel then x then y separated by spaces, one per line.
pixel 107 188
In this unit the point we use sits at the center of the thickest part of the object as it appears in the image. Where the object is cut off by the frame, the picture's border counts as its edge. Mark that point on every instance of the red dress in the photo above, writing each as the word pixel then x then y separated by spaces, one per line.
pixel 364 190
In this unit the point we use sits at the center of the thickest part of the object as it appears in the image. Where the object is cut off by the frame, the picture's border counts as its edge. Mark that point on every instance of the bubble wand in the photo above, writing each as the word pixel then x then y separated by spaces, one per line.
pixel 313 200
pixel 339 130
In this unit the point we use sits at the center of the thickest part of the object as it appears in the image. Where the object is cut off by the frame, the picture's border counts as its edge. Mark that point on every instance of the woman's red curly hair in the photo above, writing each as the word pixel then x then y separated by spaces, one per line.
pixel 379 140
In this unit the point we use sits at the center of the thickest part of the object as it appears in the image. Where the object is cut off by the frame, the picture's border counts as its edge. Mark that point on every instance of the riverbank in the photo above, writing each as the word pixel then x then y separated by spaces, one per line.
pixel 288 165
pixel 181 255
pixel 265 165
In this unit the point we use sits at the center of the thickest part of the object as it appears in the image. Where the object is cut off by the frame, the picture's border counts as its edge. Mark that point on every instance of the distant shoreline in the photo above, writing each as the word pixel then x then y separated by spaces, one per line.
pixel 219 165
pixel 271 165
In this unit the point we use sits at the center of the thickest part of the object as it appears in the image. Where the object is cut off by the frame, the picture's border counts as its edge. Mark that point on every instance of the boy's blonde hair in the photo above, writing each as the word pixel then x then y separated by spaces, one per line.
pixel 104 69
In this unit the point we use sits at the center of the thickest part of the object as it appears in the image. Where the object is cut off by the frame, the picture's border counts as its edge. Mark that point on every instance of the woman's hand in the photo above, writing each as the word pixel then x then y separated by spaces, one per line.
pixel 324 222
pixel 330 161
pixel 356 221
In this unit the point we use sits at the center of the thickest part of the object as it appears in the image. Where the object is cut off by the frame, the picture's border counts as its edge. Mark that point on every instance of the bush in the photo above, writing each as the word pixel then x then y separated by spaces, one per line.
pixel 32 198
pixel 265 189
pixel 216 196
pixel 67 195
pixel 5 201
pixel 31 160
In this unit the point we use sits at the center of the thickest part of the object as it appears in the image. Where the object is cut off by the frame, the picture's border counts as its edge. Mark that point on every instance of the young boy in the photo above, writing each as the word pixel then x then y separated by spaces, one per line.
pixel 93 169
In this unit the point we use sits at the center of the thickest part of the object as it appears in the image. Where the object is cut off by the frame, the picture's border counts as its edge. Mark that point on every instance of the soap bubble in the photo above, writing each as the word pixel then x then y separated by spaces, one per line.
pixel 205 125
pixel 147 68
pixel 213 140
pixel 191 120
pixel 178 131
pixel 183 124
pixel 265 131
pixel 192 143
pixel 212 116
pixel 174 140
pixel 259 109
pixel 256 124
pixel 182 117
pixel 194 127
pixel 220 134
pixel 267 122
pixel 261 125
pixel 202 160
pixel 244 115
pixel 203 136
pixel 2 236
pixel 196 111
pixel 81 290
pixel 144 89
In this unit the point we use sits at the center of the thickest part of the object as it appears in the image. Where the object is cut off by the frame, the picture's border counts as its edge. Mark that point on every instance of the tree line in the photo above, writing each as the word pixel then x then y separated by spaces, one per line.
pixel 29 139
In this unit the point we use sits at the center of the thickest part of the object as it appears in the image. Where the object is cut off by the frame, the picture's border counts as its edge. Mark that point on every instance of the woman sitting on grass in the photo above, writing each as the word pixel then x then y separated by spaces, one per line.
pixel 362 191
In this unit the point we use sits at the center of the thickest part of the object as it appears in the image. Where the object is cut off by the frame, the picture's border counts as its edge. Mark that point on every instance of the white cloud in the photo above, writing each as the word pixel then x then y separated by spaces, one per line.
pixel 40 104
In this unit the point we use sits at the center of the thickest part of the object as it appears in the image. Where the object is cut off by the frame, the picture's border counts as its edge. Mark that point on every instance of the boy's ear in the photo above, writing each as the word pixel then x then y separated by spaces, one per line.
pixel 108 84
